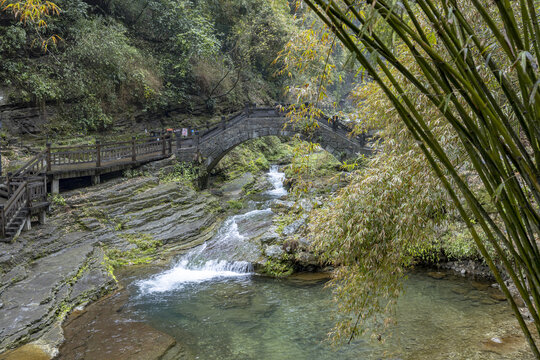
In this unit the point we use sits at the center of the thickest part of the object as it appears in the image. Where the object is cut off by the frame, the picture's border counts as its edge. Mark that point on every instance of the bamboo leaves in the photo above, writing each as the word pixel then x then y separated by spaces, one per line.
pixel 34 13
pixel 475 64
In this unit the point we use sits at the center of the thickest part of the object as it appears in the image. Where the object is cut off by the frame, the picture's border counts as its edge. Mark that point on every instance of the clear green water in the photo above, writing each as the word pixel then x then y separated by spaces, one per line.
pixel 213 305
pixel 255 317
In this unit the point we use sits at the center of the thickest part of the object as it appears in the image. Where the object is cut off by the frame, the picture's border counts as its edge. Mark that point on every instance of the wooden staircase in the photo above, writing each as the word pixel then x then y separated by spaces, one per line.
pixel 4 192
pixel 22 195
pixel 15 226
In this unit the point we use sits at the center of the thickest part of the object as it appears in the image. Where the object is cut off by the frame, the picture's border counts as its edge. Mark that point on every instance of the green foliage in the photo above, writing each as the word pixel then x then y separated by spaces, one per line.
pixel 462 78
pixel 108 265
pixel 63 310
pixel 87 115
pixel 12 40
pixel 278 268
pixel 458 244
pixel 254 39
pixel 98 66
pixel 145 251
pixel 133 173
pixel 283 220
pixel 253 156
pixel 372 231
pixel 57 200
pixel 119 57
pixel 235 204
pixel 309 164
pixel 184 173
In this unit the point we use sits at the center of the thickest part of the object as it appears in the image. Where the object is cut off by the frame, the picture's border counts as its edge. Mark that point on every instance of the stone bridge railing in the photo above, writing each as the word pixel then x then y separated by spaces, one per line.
pixel 209 147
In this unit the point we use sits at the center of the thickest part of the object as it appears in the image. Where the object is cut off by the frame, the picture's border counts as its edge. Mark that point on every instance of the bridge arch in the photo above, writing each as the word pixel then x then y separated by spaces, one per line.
pixel 210 147
pixel 214 157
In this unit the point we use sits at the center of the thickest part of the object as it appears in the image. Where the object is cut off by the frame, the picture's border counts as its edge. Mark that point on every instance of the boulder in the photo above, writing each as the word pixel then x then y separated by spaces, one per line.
pixel 305 205
pixel 281 205
pixel 290 246
pixel 274 251
pixel 269 237
pixel 306 259
pixel 293 228
pixel 436 275
pixel 305 242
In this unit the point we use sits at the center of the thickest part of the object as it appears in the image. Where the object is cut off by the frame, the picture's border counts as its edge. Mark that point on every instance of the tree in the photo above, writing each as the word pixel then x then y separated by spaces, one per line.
pixel 33 13
pixel 478 66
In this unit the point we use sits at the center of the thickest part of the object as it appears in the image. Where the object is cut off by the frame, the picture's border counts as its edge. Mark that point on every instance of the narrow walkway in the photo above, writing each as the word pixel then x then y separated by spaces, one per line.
pixel 24 193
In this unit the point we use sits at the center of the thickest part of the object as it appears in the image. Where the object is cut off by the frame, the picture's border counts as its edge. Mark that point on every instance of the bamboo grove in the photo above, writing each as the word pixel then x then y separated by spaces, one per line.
pixel 479 67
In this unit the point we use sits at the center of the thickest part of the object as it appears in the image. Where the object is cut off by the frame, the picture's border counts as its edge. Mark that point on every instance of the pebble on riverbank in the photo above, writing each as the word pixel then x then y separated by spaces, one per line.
pixel 504 344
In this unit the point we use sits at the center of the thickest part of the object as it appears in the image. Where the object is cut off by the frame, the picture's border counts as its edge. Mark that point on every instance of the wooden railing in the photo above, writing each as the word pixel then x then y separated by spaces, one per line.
pixel 28 184
pixel 37 187
pixel 36 165
pixel 17 202
pixel 26 193
pixel 102 153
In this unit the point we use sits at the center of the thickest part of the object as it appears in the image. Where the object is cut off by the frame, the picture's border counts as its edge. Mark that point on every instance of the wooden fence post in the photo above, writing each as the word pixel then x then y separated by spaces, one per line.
pixel 49 165
pixel 98 153
pixel 163 150
pixel 8 182
pixel 169 137
pixel 133 149
pixel 28 196
pixel 3 214
pixel 45 186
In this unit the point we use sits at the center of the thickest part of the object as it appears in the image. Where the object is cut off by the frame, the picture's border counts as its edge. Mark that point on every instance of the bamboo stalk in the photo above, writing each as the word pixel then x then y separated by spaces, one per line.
pixel 496 151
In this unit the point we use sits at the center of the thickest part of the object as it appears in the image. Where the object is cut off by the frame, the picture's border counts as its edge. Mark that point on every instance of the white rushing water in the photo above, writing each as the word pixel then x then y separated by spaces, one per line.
pixel 216 258
pixel 203 263
pixel 276 179
pixel 183 274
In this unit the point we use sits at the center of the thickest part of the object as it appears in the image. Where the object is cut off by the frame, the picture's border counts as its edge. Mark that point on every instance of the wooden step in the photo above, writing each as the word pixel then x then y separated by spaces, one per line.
pixel 12 227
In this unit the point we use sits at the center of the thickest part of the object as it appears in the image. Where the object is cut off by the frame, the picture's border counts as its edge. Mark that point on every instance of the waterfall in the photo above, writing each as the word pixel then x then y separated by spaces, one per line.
pixel 276 179
pixel 183 274
pixel 203 263
pixel 228 254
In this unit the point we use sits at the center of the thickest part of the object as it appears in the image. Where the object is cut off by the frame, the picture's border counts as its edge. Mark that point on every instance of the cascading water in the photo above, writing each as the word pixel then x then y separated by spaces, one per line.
pixel 230 253
pixel 213 306
pixel 276 179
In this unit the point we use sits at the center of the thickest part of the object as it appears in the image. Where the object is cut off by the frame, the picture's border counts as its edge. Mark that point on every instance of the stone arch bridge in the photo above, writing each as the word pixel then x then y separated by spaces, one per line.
pixel 211 146
pixel 23 194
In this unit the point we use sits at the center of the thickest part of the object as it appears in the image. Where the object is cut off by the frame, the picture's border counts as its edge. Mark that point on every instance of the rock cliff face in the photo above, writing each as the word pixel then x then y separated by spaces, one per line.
pixel 56 267
pixel 22 119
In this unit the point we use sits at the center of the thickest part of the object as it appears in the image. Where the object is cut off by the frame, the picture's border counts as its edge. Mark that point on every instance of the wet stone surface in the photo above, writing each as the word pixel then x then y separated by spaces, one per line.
pixel 46 272
pixel 101 332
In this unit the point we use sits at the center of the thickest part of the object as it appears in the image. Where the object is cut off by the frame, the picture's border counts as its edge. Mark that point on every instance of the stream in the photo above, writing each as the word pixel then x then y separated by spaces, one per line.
pixel 212 302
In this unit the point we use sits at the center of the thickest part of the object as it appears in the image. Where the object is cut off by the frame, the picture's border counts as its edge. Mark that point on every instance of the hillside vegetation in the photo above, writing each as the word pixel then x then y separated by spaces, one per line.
pixel 118 61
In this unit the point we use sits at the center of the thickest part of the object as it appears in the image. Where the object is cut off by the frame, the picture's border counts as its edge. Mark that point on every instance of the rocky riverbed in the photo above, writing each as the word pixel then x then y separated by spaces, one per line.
pixel 55 268
pixel 58 268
